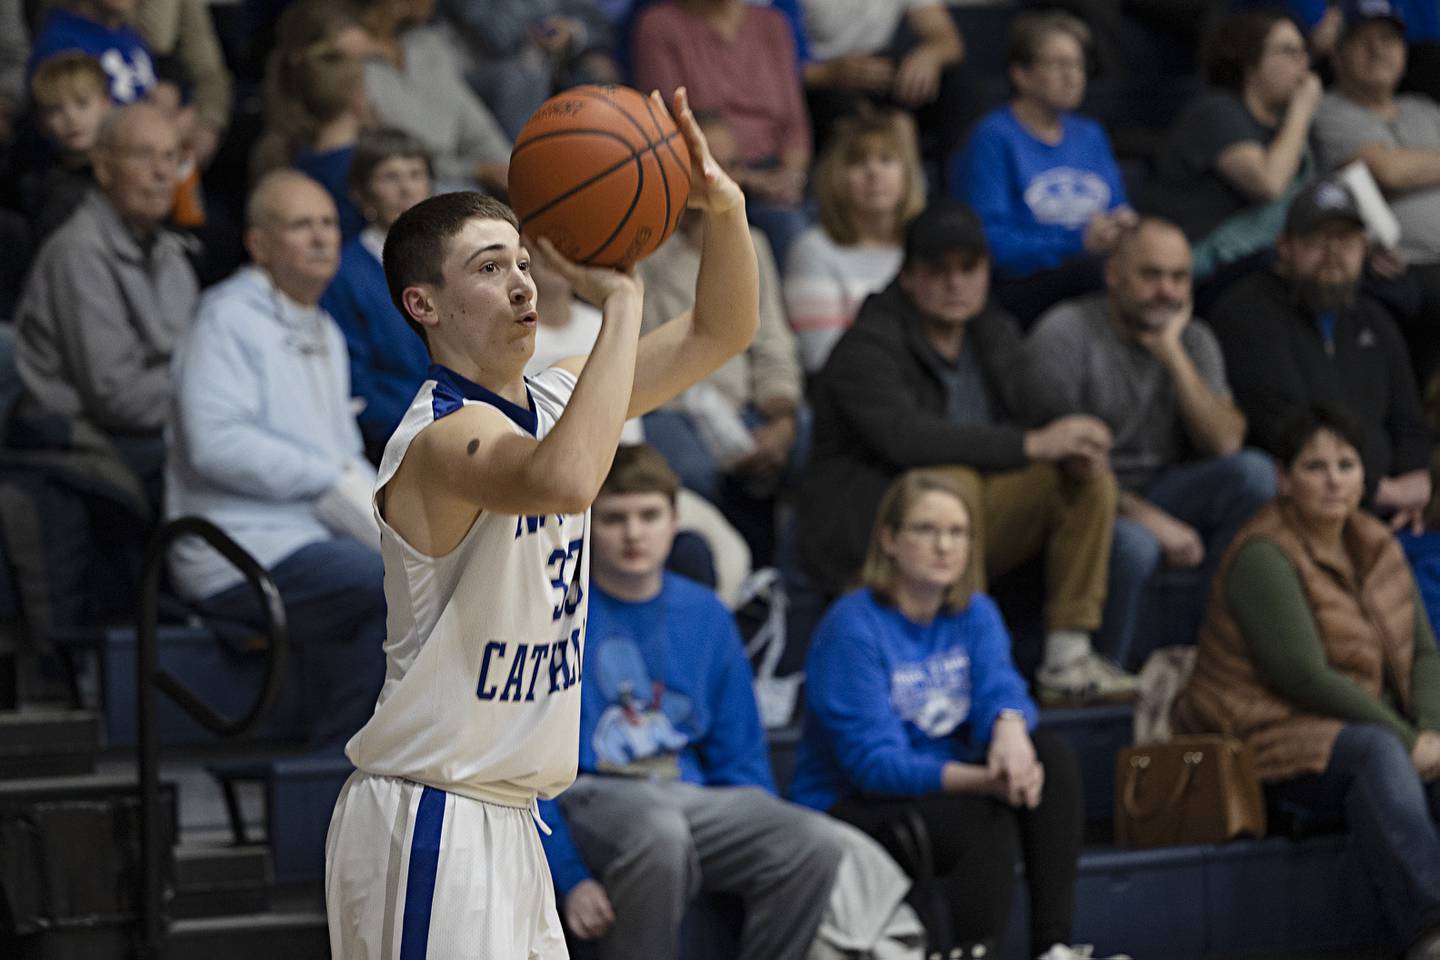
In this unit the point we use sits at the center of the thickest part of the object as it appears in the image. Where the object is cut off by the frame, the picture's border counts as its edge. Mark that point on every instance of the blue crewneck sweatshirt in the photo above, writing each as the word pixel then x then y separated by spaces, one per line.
pixel 1035 198
pixel 666 693
pixel 122 52
pixel 890 701
pixel 387 360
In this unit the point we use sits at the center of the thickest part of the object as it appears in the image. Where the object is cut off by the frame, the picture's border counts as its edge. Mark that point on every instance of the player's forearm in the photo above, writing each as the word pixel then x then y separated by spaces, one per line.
pixel 727 290
pixel 582 443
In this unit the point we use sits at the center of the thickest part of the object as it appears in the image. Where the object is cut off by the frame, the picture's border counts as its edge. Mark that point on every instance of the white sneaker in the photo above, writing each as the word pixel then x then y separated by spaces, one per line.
pixel 1086 679
pixel 1080 951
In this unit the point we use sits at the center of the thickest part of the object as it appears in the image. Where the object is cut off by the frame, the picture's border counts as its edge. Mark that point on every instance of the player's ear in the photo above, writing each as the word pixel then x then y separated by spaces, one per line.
pixel 420 305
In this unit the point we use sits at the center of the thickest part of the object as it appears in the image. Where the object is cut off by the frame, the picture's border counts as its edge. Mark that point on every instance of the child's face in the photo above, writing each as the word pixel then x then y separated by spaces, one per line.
pixel 73 121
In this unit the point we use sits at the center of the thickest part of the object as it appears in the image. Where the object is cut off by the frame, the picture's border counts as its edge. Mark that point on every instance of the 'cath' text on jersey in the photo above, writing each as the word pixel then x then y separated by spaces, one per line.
pixel 521 665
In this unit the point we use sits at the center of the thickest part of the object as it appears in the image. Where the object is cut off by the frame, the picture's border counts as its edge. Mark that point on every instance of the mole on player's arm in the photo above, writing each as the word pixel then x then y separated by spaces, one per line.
pixel 472 446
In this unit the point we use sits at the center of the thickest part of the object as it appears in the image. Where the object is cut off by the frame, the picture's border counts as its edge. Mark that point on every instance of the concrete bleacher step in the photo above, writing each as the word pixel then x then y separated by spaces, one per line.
pixel 48 743
pixel 214 881
pixel 273 936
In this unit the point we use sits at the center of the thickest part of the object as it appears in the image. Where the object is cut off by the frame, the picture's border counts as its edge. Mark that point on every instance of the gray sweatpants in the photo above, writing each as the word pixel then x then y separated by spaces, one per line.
pixel 655 844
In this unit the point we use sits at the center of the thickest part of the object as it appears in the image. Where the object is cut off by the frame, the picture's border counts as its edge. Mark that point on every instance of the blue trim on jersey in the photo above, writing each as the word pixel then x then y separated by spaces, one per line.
pixel 452 390
pixel 420 882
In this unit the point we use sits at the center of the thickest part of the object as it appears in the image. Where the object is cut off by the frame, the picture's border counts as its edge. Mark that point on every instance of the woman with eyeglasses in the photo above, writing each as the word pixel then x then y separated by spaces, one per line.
pixel 915 710
pixel 1042 177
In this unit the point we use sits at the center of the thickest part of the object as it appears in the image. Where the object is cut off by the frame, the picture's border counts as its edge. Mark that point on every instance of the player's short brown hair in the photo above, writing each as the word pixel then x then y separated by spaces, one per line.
pixel 65 73
pixel 640 468
pixel 418 241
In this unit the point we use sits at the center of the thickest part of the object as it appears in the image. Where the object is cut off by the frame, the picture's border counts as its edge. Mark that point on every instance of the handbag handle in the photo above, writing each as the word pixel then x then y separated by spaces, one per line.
pixel 1138 765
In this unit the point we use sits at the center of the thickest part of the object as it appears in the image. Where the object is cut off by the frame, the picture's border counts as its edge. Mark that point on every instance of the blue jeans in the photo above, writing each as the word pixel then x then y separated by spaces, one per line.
pixel 335 607
pixel 1391 816
pixel 1216 497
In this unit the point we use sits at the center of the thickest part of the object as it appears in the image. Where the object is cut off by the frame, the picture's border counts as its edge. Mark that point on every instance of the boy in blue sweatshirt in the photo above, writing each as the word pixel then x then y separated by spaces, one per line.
pixel 675 791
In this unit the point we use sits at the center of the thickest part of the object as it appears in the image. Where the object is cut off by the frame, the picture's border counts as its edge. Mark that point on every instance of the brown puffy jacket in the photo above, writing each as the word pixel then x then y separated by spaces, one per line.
pixel 1366 623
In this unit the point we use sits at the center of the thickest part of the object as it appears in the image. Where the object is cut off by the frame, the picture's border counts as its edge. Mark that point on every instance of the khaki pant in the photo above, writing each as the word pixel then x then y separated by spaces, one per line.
pixel 1036 509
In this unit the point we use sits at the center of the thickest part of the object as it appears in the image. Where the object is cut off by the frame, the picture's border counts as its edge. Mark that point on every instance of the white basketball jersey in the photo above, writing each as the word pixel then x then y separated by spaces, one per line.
pixel 483 645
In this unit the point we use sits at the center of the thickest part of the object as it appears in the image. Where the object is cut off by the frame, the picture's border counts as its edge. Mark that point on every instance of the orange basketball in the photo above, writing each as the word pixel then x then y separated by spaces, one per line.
pixel 601 171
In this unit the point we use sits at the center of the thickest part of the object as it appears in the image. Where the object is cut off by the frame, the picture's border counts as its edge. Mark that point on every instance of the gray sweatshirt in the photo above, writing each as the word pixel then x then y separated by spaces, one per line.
pixel 262 427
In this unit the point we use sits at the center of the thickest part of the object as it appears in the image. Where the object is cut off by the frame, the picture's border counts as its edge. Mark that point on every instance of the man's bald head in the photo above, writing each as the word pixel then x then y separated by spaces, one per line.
pixel 137 164
pixel 1146 232
pixel 293 233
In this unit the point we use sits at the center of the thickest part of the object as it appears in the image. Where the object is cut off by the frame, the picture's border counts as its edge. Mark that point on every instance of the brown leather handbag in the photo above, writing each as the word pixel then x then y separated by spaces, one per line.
pixel 1193 789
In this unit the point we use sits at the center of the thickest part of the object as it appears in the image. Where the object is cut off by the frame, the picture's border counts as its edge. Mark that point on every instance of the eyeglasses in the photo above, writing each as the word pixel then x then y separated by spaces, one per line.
pixel 1059 64
pixel 149 155
pixel 1293 51
pixel 935 534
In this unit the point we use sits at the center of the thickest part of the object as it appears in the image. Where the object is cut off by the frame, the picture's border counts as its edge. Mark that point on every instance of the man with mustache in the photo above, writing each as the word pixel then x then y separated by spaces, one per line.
pixel 1136 358
pixel 264 444
pixel 1304 334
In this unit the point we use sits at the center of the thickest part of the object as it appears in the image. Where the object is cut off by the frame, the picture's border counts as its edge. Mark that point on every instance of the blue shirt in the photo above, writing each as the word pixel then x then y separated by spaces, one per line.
pixel 889 702
pixel 387 360
pixel 1422 17
pixel 123 53
pixel 667 693
pixel 331 169
pixel 1036 198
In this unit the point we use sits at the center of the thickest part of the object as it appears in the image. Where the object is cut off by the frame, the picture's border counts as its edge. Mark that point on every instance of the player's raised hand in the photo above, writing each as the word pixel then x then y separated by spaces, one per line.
pixel 593 284
pixel 711 188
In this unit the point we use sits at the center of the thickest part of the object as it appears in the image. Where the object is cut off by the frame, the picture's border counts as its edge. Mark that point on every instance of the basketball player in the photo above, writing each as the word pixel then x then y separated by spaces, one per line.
pixel 483 501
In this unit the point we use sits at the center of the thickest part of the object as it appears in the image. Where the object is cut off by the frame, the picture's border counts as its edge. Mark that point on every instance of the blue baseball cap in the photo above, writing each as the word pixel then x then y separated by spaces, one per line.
pixel 1357 12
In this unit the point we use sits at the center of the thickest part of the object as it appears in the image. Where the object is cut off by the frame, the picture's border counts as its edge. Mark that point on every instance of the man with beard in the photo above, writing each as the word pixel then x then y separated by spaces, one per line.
pixel 1136 358
pixel 1304 335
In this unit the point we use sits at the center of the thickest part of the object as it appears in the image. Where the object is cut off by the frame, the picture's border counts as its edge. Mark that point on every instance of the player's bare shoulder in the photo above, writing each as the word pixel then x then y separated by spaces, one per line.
pixel 436 494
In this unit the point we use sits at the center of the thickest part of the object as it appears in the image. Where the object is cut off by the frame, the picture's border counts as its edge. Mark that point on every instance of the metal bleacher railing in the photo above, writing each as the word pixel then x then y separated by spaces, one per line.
pixel 151 677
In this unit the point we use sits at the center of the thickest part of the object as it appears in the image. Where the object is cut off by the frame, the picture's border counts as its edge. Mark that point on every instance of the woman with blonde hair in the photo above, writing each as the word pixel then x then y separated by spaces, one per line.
pixel 314 100
pixel 868 186
pixel 915 710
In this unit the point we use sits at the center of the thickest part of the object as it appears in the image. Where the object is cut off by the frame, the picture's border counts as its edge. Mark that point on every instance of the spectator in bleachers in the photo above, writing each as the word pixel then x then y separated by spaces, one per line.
pixel 675 792
pixel 738 61
pixel 265 447
pixel 928 377
pixel 100 28
pixel 314 99
pixel 914 706
pixel 1043 178
pixel 868 186
pixel 1317 653
pixel 737 436
pixel 1398 138
pixel 71 97
pixel 415 80
pixel 183 31
pixel 389 174
pixel 1304 333
pixel 1238 152
pixel 1137 358
pixel 903 54
pixel 110 293
pixel 519 52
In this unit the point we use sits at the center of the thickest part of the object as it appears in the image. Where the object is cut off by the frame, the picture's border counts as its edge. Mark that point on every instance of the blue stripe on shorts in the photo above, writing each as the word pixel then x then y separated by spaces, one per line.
pixel 420 882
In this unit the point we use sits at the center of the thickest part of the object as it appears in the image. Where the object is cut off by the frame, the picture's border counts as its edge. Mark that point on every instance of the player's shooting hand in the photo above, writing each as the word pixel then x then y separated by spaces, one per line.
pixel 711 188
pixel 597 285
pixel 588 912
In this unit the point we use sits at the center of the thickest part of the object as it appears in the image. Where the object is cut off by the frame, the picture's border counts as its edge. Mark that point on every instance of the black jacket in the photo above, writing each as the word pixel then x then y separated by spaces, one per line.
pixel 880 409
pixel 1278 363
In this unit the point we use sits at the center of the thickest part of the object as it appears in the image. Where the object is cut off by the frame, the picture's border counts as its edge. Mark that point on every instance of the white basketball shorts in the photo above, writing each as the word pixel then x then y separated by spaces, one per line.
pixel 415 873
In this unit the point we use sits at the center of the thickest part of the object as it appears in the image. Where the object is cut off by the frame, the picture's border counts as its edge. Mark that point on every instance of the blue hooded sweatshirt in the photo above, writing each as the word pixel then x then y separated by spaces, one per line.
pixel 122 52
pixel 388 362
pixel 667 693
pixel 889 701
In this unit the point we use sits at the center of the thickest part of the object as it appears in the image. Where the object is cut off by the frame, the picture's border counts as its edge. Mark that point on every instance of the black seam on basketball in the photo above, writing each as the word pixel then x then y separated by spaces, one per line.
pixel 566 132
pixel 660 164
pixel 634 201
pixel 618 165
pixel 550 204
pixel 685 167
